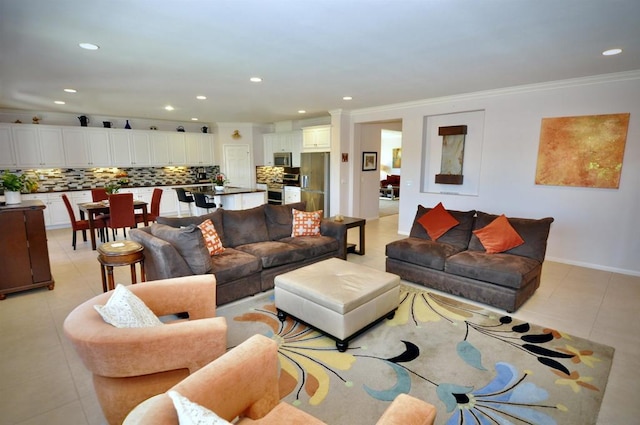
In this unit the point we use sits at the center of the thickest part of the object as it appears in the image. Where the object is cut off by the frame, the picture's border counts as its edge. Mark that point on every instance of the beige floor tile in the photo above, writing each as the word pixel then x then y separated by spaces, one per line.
pixel 67 414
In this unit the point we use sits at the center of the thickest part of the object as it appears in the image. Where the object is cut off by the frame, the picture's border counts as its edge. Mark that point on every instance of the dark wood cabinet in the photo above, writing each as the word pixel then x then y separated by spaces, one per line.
pixel 24 255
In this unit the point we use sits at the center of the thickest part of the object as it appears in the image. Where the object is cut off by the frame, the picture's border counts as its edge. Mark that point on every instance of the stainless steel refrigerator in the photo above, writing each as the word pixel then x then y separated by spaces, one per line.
pixel 314 181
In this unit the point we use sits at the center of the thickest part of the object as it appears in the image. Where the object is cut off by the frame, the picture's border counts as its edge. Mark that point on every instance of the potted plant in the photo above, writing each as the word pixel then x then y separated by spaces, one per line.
pixel 14 185
pixel 218 181
pixel 112 188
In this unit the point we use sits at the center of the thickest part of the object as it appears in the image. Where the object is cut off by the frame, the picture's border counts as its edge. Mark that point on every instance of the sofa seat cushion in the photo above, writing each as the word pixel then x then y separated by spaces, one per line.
pixel 280 219
pixel 501 269
pixel 422 252
pixel 273 253
pixel 215 217
pixel 243 227
pixel 313 246
pixel 457 236
pixel 233 264
pixel 535 233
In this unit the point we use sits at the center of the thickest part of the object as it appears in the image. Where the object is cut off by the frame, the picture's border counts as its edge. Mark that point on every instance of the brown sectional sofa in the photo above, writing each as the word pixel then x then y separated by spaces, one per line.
pixel 458 264
pixel 258 247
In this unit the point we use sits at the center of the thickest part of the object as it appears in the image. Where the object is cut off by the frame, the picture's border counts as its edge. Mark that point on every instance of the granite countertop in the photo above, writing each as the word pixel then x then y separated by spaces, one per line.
pixel 231 191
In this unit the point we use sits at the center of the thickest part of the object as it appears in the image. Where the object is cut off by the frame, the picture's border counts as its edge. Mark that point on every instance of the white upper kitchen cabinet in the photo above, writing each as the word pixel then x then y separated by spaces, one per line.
pixel 167 148
pixel 38 146
pixel 130 148
pixel 199 148
pixel 86 147
pixel 7 154
pixel 290 141
pixel 316 138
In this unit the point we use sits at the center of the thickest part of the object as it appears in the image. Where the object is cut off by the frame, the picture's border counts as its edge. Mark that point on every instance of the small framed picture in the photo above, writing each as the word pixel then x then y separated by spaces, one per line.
pixel 369 161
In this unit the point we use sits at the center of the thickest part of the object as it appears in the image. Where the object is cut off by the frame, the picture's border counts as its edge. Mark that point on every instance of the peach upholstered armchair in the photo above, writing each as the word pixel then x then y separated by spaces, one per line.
pixel 130 365
pixel 244 383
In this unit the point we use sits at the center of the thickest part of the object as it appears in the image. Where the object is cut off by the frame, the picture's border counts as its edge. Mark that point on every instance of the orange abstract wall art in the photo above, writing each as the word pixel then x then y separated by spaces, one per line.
pixel 584 151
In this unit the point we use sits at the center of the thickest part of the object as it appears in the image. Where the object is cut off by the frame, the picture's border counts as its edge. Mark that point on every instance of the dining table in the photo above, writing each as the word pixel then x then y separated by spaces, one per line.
pixel 92 209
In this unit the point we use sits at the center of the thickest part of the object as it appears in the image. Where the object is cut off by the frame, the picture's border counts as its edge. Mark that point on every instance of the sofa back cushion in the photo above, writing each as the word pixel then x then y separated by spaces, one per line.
pixel 244 226
pixel 189 242
pixel 534 232
pixel 215 217
pixel 280 219
pixel 457 236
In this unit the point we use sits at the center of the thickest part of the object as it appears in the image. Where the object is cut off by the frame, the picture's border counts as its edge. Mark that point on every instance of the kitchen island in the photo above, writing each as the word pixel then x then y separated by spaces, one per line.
pixel 231 198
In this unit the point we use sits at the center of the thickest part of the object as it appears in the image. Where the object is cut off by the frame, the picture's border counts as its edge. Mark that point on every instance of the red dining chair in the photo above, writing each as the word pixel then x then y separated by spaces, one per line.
pixel 155 207
pixel 99 194
pixel 82 225
pixel 121 213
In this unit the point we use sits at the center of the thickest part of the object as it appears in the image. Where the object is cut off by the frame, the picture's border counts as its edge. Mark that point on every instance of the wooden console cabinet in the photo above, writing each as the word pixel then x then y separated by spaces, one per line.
pixel 24 255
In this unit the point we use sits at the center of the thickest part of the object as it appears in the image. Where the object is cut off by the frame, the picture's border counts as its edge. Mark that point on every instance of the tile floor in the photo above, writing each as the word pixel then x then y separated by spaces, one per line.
pixel 43 382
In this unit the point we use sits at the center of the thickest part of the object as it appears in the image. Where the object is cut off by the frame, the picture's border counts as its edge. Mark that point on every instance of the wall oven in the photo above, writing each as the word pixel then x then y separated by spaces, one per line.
pixel 282 159
pixel 275 195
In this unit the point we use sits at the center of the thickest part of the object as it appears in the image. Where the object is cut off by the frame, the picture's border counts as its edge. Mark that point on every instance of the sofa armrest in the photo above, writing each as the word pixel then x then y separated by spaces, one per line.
pixel 243 382
pixel 338 231
pixel 407 410
pixel 120 352
pixel 161 259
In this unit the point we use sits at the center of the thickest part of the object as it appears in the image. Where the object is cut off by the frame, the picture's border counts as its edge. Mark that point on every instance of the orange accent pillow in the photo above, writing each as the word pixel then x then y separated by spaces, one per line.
pixel 306 223
pixel 498 236
pixel 211 238
pixel 437 221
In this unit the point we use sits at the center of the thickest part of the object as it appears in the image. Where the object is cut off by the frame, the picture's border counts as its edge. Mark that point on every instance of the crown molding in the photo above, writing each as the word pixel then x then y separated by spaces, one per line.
pixel 550 85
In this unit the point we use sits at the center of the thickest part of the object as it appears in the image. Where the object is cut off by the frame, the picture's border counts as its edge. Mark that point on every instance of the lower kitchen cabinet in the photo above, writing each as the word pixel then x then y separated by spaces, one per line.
pixel 24 255
pixel 291 194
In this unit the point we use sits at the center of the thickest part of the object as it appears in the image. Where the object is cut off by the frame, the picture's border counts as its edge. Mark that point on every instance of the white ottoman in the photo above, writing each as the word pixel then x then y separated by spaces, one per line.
pixel 339 298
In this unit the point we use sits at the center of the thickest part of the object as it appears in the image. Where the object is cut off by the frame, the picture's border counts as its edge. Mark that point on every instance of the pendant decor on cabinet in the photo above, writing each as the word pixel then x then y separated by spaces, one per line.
pixel 236 134
pixel 127 125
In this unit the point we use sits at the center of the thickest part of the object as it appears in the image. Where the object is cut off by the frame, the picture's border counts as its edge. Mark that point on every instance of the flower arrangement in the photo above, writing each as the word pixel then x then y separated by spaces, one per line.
pixel 219 179
pixel 111 188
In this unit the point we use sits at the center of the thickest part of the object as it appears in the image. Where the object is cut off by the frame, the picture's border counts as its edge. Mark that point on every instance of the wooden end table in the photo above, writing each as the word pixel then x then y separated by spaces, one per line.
pixel 120 253
pixel 350 223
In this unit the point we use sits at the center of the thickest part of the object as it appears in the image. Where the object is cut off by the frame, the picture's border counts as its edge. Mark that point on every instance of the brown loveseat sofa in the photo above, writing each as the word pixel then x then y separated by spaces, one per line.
pixel 258 247
pixel 457 262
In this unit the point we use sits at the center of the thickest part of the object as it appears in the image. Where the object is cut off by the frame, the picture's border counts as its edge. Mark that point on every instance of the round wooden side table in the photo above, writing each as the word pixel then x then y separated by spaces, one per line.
pixel 120 253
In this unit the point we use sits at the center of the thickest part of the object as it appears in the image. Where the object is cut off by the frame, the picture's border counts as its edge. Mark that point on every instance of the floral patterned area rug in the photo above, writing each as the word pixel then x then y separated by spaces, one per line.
pixel 475 366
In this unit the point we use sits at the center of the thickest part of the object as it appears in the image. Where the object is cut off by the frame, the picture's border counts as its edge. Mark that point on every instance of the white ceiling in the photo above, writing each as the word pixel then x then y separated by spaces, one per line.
pixel 310 53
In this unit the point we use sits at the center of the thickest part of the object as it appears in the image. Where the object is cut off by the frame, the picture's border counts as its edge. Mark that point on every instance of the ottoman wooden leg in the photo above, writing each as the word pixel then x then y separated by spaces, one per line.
pixel 342 345
pixel 281 315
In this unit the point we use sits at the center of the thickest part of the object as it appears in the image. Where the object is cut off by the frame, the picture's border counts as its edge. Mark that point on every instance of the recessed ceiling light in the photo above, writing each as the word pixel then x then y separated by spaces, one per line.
pixel 70 90
pixel 347 98
pixel 612 52
pixel 201 97
pixel 59 102
pixel 302 111
pixel 169 108
pixel 89 46
pixel 194 119
pixel 255 79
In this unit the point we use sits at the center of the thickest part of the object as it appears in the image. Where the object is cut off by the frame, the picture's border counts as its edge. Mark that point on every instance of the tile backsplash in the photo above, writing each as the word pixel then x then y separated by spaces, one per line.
pixel 63 179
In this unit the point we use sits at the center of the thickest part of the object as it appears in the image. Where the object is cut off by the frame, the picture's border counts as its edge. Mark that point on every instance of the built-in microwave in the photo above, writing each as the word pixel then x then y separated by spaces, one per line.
pixel 282 159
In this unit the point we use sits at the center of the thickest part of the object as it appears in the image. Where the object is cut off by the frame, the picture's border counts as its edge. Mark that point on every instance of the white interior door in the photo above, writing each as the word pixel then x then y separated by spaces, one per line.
pixel 237 165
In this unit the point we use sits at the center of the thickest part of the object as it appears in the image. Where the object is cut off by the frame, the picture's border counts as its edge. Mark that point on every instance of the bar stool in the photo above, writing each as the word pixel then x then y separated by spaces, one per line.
pixel 183 197
pixel 121 253
pixel 202 202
